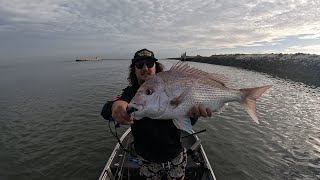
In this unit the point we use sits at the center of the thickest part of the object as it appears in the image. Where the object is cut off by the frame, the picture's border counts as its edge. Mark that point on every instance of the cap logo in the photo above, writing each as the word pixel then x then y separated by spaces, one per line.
pixel 145 53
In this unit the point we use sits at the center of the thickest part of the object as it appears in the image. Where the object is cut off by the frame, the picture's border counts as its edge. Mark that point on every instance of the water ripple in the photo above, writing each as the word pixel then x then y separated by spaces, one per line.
pixel 52 128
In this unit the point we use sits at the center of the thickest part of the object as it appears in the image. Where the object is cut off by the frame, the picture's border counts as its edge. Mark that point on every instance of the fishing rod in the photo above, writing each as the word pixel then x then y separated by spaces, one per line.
pixel 204 130
pixel 117 125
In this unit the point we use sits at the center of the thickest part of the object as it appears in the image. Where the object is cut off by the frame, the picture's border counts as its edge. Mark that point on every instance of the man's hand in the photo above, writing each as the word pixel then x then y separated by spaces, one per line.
pixel 119 113
pixel 199 111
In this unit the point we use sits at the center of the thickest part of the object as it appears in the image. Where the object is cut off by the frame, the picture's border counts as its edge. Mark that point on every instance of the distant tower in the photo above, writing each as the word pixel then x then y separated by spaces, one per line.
pixel 184 56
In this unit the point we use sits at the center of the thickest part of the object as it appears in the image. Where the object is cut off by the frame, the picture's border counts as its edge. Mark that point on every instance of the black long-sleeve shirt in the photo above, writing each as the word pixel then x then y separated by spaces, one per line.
pixel 154 140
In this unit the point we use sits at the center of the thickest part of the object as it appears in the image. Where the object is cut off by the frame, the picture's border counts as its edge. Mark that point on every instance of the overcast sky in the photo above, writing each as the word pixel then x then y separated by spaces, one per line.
pixel 117 28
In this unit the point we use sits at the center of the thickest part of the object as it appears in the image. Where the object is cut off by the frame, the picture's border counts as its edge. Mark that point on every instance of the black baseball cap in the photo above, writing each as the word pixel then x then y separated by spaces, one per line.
pixel 143 54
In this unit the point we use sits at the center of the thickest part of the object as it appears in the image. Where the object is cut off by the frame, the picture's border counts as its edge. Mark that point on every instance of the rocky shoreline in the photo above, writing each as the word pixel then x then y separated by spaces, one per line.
pixel 297 67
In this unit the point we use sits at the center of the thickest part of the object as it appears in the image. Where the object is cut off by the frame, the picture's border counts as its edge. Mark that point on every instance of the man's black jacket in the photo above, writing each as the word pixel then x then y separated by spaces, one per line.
pixel 154 140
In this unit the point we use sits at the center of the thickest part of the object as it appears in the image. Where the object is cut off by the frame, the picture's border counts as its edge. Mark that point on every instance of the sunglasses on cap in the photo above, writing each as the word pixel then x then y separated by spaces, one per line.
pixel 140 65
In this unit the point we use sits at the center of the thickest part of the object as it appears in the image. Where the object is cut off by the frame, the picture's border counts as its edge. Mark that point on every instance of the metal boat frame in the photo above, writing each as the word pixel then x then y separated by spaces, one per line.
pixel 122 165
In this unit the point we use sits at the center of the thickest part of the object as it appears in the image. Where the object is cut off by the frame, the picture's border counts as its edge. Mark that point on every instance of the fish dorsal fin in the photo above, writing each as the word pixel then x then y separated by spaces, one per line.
pixel 184 68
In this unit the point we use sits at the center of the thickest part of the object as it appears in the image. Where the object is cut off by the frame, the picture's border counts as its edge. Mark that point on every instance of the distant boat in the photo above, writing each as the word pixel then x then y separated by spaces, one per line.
pixel 88 59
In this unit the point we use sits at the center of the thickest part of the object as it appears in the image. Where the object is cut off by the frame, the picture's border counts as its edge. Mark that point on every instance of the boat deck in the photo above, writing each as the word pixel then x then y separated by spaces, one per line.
pixel 123 164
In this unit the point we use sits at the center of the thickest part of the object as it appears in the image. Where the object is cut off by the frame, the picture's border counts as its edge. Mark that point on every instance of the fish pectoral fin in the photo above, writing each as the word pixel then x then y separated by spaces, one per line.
pixel 177 100
pixel 183 124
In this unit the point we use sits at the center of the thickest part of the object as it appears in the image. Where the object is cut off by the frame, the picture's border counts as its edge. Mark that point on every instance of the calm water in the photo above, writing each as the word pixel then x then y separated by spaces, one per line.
pixel 50 126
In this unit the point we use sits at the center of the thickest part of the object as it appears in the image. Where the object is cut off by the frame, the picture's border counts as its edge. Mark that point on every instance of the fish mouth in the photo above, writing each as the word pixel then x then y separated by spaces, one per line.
pixel 134 106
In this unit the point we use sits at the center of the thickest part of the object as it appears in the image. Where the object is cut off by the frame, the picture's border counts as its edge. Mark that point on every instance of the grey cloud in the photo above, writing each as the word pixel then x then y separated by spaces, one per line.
pixel 206 24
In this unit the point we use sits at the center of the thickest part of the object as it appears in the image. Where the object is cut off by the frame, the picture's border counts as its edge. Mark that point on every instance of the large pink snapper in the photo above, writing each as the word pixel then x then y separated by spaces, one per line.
pixel 171 94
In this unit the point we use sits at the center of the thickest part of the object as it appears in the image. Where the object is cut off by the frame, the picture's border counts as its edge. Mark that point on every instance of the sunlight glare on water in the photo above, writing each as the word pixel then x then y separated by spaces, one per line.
pixel 288 133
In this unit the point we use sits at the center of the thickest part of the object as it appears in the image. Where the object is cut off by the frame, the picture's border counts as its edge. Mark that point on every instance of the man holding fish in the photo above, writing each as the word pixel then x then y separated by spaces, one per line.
pixel 164 102
pixel 157 142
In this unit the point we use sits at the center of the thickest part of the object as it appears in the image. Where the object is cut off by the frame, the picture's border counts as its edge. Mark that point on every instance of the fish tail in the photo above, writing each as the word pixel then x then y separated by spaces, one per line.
pixel 249 97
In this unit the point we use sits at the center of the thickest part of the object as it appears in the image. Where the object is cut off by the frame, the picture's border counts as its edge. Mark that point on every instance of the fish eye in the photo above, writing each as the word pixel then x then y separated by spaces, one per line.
pixel 149 92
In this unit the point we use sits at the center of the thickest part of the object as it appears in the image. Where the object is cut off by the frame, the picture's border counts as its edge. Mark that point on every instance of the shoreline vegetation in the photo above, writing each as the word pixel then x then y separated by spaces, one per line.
pixel 298 67
pixel 96 59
